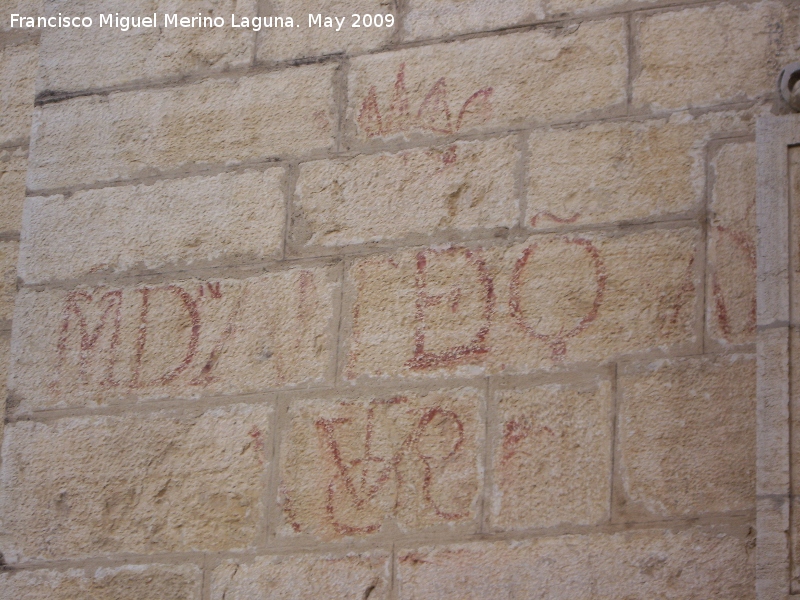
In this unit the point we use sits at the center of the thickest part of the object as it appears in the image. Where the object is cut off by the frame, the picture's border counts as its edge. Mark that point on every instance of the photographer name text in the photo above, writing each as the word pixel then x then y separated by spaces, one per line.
pixel 200 21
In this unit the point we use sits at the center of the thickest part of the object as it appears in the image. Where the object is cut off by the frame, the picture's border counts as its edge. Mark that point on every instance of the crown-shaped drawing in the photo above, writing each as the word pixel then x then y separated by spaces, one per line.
pixel 433 114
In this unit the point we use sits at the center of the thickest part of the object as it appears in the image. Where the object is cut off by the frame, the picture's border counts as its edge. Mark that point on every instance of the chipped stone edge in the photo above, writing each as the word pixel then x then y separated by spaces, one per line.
pixel 773 485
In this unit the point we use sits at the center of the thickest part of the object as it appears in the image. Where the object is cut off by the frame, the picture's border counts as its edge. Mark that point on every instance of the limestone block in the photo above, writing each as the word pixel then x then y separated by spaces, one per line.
pixel 78 59
pixel 489 83
pixel 731 276
pixel 133 134
pixel 17 72
pixel 313 39
pixel 622 171
pixel 682 72
pixel 13 166
pixel 139 483
pixel 225 218
pixel 464 186
pixel 89 346
pixel 539 304
pixel 350 465
pixel 794 390
pixel 426 19
pixel 9 252
pixel 552 456
pixel 773 564
pixel 687 435
pixel 687 565
pixel 773 214
pixel 364 575
pixel 131 582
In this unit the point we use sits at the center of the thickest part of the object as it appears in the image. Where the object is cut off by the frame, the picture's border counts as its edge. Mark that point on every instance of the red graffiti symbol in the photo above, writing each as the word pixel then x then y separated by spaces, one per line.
pixel 398 115
pixel 213 289
pixel 99 328
pixel 288 508
pixel 552 217
pixel 449 156
pixel 190 305
pixel 745 245
pixel 362 478
pixel 681 298
pixel 205 376
pixel 258 442
pixel 478 104
pixel 415 558
pixel 89 339
pixel 515 431
pixel 370 116
pixel 558 341
pixel 433 114
pixel 424 359
pixel 414 441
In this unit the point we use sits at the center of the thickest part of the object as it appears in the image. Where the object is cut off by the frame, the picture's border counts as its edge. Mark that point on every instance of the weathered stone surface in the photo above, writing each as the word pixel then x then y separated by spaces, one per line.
pixel 689 565
pixel 350 465
pixel 441 18
pixel 13 166
pixel 687 440
pixel 5 355
pixel 794 387
pixel 773 563
pixel 78 59
pixel 17 72
pixel 622 171
pixel 308 40
pixel 545 302
pixel 794 231
pixel 519 226
pixel 772 438
pixel 552 456
pixel 91 346
pixel 773 467
pixel 559 8
pixel 227 217
pixel 731 274
pixel 794 543
pixel 773 301
pixel 308 576
pixel 9 252
pixel 675 71
pixel 793 540
pixel 489 83
pixel 467 185
pixel 152 483
pixel 131 582
pixel 130 134
pixel 426 19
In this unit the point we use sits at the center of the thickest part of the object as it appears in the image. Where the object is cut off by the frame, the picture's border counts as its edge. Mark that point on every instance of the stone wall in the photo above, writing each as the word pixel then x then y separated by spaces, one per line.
pixel 462 308
pixel 19 55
